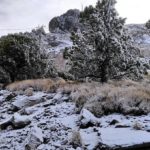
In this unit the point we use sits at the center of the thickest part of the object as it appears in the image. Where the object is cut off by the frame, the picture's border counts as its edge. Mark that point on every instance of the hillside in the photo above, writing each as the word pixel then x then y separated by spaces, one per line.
pixel 60 113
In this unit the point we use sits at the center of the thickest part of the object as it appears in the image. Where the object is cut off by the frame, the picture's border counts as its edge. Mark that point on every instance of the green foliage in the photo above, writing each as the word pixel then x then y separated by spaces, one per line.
pixel 20 58
pixel 103 50
pixel 86 13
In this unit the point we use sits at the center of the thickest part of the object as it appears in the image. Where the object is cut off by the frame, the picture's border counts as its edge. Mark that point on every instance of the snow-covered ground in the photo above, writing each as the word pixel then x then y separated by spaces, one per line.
pixel 64 40
pixel 47 121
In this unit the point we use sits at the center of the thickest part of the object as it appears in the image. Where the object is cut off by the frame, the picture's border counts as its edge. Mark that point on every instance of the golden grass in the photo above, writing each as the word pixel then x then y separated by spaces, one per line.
pixel 37 84
pixel 124 96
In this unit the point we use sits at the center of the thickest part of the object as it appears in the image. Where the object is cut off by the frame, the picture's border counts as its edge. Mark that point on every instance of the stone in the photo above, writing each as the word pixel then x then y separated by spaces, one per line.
pixel 113 122
pixel 87 119
pixel 29 92
pixel 17 122
pixel 10 96
pixel 34 139
pixel 67 22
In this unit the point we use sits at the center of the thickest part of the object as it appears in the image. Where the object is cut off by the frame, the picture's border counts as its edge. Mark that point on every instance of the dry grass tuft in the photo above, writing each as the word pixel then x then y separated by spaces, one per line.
pixel 123 96
pixel 37 84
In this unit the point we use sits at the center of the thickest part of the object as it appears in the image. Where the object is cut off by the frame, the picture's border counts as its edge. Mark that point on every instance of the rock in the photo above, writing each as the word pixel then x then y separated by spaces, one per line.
pixel 29 92
pixel 50 96
pixel 24 101
pixel 34 139
pixel 65 98
pixel 66 22
pixel 58 96
pixel 137 126
pixel 13 108
pixel 10 96
pixel 17 122
pixel 5 124
pixel 125 139
pixel 113 122
pixel 87 119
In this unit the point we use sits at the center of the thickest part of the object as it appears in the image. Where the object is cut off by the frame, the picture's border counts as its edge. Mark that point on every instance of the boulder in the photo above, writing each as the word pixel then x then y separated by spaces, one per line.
pixel 67 22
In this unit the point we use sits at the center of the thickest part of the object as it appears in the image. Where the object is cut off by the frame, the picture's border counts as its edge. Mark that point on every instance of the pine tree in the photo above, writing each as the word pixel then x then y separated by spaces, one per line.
pixel 103 50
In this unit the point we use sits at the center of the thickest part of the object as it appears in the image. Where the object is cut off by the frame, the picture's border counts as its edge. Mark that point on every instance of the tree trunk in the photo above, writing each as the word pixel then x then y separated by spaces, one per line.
pixel 104 70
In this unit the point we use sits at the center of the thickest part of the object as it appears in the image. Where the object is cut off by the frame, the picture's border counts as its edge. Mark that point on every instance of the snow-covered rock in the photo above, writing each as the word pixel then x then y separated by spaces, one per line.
pixel 87 119
pixel 124 138
pixel 66 22
pixel 17 122
pixel 23 101
pixel 34 139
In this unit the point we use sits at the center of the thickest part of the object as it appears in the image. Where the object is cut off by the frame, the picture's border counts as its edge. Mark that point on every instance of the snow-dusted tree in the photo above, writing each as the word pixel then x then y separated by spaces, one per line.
pixel 103 50
pixel 21 58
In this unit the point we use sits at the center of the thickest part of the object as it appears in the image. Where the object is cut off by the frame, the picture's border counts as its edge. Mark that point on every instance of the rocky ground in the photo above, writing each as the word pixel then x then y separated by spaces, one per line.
pixel 48 121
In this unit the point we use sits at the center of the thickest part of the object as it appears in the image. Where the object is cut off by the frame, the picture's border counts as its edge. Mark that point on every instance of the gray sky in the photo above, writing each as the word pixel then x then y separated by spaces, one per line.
pixel 26 14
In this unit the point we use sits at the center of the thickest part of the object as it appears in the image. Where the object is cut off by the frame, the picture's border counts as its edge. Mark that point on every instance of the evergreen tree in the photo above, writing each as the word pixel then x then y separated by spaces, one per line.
pixel 103 50
pixel 21 58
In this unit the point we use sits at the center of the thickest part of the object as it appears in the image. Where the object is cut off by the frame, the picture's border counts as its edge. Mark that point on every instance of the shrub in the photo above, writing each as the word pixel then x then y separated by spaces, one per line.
pixel 20 58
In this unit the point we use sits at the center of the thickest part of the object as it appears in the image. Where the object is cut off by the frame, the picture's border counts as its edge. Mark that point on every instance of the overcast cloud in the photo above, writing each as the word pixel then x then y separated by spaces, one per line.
pixel 26 14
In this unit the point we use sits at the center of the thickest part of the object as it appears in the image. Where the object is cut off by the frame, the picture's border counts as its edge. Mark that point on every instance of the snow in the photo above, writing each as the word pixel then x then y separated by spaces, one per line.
pixel 63 39
pixel 69 121
pixel 57 96
pixel 89 138
pixel 87 116
pixel 37 132
pixel 56 121
pixel 146 39
pixel 123 137
pixel 19 118
pixel 23 100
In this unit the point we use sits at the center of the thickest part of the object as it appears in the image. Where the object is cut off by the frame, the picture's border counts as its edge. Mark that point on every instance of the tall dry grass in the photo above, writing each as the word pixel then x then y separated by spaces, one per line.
pixel 37 84
pixel 124 96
